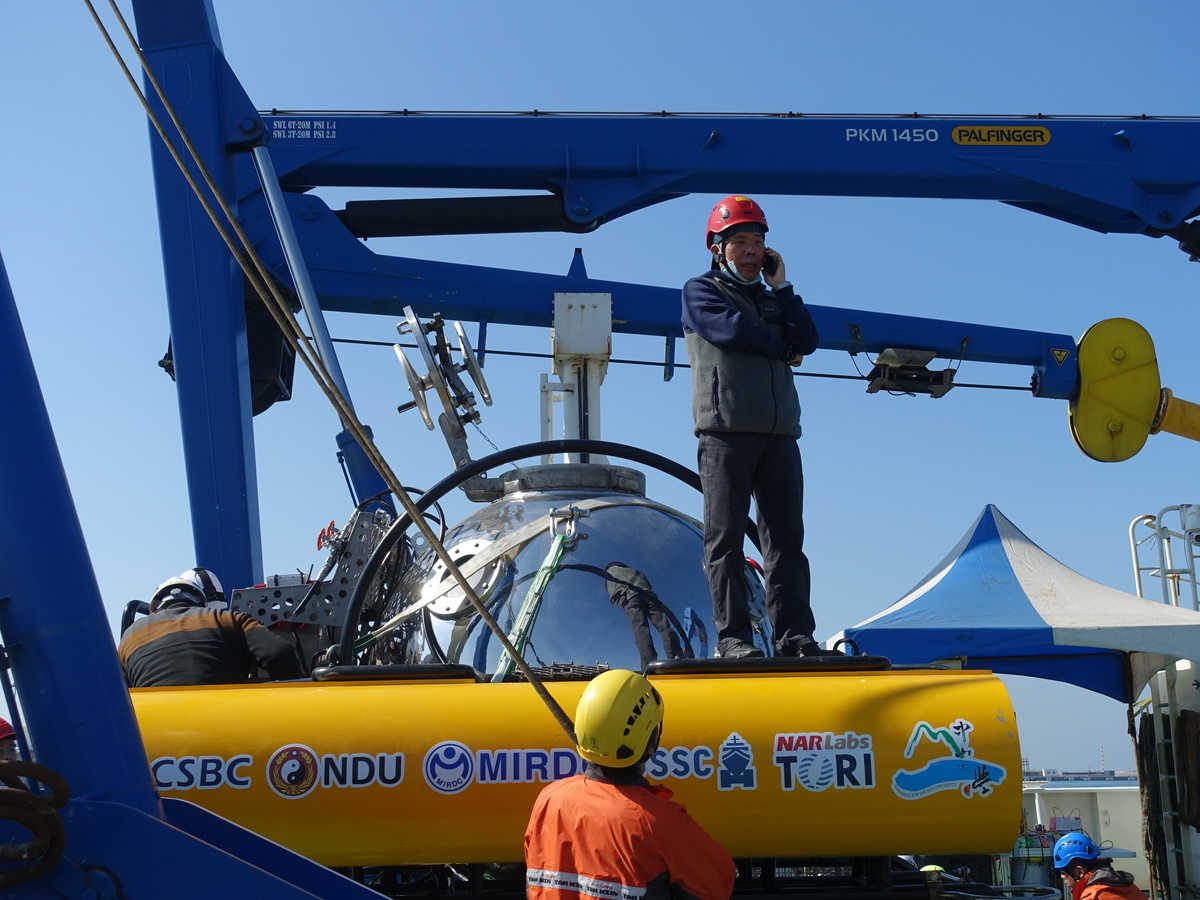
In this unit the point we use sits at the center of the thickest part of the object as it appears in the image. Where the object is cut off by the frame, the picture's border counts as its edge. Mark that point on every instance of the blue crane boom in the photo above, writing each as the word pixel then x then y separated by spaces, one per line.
pixel 1110 175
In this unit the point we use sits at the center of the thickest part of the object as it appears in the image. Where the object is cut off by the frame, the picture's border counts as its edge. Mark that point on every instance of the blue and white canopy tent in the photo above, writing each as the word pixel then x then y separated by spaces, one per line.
pixel 1000 602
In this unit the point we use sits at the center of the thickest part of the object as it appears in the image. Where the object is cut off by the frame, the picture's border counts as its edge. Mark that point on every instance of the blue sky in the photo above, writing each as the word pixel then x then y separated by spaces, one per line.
pixel 893 482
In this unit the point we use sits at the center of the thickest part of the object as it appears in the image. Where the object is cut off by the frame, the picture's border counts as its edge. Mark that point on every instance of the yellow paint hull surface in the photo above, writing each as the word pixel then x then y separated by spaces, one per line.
pixel 773 765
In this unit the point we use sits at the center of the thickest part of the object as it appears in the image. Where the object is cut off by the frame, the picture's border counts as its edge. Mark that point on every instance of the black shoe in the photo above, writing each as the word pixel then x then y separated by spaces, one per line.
pixel 742 650
pixel 815 649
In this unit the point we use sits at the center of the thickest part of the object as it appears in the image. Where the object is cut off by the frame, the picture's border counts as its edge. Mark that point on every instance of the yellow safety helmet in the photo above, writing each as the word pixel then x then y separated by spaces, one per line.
pixel 617 717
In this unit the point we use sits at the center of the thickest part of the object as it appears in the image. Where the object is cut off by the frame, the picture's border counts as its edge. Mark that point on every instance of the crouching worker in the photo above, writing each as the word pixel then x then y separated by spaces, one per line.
pixel 190 637
pixel 1089 876
pixel 609 833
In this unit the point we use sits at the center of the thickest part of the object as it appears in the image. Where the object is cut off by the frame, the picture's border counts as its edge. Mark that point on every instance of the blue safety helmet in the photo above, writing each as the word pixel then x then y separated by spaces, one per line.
pixel 1075 845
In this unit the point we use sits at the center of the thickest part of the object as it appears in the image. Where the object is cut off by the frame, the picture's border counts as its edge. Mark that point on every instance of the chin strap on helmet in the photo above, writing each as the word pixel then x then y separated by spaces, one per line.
pixel 734 273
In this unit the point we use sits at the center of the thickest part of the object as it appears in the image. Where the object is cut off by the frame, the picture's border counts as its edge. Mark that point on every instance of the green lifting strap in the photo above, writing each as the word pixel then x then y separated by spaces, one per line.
pixel 527 614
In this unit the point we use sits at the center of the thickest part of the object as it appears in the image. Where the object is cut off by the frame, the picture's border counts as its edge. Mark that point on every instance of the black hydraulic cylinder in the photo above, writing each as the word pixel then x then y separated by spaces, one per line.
pixel 459 215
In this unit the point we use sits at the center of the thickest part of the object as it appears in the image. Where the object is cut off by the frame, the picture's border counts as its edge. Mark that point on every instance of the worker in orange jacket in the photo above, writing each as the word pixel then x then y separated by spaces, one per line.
pixel 609 833
pixel 1087 874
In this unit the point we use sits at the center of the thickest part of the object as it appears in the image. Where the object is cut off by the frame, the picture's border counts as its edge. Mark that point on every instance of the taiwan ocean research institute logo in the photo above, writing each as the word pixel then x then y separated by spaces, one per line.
pixel 961 770
pixel 449 767
pixel 292 771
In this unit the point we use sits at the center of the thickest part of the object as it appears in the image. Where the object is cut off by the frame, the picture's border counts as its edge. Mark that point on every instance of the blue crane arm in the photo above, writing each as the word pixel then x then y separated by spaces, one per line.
pixel 1125 175
pixel 350 278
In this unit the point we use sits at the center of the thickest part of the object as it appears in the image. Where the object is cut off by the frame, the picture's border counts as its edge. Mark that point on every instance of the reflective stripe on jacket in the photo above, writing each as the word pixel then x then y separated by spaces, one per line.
pixel 182 644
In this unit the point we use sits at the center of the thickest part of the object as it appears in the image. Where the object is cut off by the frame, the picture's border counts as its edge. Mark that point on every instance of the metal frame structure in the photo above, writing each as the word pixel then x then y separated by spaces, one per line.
pixel 577 171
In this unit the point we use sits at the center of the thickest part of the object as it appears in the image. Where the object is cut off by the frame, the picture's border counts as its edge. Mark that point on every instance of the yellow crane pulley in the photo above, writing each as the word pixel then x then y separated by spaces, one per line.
pixel 1121 400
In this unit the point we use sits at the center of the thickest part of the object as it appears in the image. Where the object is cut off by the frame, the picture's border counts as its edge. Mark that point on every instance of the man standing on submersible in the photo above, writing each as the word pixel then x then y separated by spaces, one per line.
pixel 743 337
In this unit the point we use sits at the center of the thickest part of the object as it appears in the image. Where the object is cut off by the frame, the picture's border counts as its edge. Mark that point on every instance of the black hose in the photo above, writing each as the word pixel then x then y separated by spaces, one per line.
pixel 345 648
pixel 37 814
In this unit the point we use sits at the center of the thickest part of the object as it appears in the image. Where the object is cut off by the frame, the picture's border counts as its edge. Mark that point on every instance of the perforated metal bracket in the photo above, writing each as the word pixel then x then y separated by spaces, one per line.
pixel 300 600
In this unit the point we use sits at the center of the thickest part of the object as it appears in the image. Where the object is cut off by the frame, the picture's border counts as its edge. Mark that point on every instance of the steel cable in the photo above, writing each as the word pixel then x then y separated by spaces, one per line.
pixel 260 280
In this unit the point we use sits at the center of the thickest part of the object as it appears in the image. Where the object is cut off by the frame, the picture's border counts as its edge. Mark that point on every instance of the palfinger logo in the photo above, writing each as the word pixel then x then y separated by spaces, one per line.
pixel 292 771
pixel 449 767
pixel 984 136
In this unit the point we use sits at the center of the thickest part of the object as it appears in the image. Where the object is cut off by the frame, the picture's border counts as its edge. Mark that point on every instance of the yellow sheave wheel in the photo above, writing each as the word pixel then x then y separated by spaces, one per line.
pixel 1119 390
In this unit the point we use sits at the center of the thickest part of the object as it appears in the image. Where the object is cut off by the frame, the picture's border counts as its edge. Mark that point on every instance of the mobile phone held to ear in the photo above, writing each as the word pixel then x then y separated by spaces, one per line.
pixel 770 262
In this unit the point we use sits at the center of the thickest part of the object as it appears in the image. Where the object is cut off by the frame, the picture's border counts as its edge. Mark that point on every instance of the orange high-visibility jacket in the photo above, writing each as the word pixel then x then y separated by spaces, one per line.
pixel 1106 884
pixel 591 840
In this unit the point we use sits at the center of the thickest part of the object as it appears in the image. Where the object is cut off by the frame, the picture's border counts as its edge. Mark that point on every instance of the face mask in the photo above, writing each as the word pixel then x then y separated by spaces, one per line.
pixel 732 273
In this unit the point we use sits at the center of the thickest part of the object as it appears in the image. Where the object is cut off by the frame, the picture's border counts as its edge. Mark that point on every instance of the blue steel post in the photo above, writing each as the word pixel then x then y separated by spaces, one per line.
pixel 204 289
pixel 365 479
pixel 73 697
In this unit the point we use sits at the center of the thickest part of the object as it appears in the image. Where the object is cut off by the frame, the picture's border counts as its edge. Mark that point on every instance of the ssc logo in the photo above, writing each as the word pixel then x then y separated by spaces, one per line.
pixel 449 767
pixel 737 769
pixel 292 771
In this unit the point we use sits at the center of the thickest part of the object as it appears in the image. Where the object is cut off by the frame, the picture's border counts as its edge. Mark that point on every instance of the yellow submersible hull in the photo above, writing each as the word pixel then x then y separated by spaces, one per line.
pixel 774 760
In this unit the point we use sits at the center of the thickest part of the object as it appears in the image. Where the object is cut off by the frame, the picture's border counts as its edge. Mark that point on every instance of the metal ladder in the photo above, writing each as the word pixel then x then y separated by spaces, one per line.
pixel 1169 552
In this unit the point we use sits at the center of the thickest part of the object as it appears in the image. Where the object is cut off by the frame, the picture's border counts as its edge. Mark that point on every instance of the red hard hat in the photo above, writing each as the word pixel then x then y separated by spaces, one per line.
pixel 733 210
pixel 6 729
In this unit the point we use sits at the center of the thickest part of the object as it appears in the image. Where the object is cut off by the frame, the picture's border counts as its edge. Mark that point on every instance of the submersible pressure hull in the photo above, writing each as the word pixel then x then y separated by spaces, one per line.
pixel 814 761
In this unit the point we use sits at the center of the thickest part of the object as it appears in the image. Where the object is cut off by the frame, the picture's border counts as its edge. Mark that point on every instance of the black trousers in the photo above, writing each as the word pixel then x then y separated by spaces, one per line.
pixel 643 611
pixel 735 467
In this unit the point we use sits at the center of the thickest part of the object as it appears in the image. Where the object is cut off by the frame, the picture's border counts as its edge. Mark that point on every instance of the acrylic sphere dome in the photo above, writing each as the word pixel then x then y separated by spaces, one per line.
pixel 541 558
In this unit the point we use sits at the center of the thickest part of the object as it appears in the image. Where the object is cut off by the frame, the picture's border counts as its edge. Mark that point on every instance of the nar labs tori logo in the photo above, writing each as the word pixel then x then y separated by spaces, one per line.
pixel 817 760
